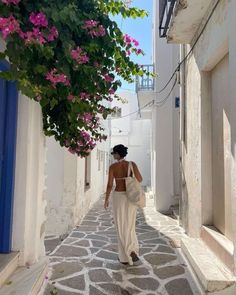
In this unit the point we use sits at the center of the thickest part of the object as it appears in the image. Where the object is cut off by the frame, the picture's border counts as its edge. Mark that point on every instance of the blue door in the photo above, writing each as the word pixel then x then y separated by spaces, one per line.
pixel 8 124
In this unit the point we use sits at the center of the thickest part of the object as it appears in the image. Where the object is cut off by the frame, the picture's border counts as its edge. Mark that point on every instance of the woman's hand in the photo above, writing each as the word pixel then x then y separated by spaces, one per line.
pixel 106 204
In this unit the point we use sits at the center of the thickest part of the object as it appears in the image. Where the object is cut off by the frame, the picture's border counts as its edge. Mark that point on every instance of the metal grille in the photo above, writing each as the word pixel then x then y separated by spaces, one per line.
pixel 145 82
pixel 166 8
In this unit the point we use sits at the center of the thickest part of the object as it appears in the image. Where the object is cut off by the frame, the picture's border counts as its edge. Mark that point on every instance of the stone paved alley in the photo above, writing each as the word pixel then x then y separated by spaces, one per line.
pixel 86 261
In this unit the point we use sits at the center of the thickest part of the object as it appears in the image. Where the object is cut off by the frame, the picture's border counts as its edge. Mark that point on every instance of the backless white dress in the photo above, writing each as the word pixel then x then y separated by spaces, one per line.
pixel 124 215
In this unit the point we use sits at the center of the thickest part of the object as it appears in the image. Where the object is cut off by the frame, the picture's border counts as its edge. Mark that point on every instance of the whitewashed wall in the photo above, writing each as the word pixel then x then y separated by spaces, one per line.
pixel 134 133
pixel 67 198
pixel 165 123
pixel 29 204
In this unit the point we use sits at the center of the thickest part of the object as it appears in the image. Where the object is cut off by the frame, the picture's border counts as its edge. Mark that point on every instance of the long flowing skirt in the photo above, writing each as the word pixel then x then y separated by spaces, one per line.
pixel 124 215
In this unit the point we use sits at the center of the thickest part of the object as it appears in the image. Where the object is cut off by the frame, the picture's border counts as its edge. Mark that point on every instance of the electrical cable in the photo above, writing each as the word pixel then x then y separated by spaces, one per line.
pixel 162 102
pixel 143 107
pixel 152 102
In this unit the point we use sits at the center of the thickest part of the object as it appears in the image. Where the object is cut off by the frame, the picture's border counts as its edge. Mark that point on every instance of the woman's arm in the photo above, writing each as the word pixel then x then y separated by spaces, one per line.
pixel 137 173
pixel 109 187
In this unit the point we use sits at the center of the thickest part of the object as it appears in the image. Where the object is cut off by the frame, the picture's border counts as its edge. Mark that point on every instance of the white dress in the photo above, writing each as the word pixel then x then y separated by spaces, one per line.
pixel 124 215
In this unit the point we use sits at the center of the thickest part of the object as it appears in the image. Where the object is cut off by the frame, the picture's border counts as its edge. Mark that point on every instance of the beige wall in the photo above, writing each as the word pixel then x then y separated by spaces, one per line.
pixel 191 151
pixel 232 112
pixel 221 161
pixel 209 152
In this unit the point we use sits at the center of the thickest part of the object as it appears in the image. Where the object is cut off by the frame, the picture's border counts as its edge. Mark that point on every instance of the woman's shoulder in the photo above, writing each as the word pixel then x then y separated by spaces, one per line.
pixel 117 164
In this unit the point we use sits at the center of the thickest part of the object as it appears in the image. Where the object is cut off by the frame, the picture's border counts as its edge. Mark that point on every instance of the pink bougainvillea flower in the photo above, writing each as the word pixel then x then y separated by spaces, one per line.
pixel 86 118
pixel 111 91
pixel 85 135
pixel 35 36
pixel 94 29
pixel 84 95
pixel 127 39
pixel 9 25
pixel 136 43
pixel 38 19
pixel 79 56
pixel 139 51
pixel 9 2
pixel 88 24
pixel 128 52
pixel 56 78
pixel 38 36
pixel 53 34
pixel 108 78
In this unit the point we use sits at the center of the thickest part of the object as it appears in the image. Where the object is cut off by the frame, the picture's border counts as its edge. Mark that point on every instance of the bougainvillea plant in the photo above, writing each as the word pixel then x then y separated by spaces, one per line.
pixel 67 55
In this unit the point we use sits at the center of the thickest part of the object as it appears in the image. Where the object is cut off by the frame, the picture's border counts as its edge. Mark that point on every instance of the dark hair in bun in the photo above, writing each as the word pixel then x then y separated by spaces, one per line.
pixel 120 149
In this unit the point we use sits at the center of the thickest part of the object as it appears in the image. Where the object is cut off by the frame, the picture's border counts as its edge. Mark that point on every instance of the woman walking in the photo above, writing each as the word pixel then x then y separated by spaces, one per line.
pixel 124 212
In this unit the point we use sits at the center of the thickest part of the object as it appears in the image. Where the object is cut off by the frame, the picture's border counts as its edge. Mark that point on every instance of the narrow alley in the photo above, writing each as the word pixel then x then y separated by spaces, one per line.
pixel 86 261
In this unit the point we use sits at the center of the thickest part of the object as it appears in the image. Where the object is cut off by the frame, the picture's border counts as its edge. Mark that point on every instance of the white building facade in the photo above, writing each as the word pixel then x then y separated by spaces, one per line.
pixel 129 129
pixel 73 185
pixel 208 135
pixel 160 105
pixel 165 116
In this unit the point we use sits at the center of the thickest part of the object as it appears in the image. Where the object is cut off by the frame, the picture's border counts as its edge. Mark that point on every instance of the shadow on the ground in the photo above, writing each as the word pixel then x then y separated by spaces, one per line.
pixel 86 261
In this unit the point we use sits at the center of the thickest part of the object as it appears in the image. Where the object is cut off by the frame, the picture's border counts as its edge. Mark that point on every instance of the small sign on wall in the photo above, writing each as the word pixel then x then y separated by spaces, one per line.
pixel 177 102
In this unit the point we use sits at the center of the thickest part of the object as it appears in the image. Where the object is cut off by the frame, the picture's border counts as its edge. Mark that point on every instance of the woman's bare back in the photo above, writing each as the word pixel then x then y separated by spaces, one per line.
pixel 120 171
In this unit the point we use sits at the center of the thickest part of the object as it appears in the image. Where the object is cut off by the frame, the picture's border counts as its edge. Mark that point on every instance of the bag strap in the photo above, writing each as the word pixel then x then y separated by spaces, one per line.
pixel 130 169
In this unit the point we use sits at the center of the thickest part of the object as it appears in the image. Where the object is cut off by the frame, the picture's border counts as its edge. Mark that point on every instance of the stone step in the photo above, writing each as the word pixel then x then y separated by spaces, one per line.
pixel 8 264
pixel 222 247
pixel 26 280
pixel 213 276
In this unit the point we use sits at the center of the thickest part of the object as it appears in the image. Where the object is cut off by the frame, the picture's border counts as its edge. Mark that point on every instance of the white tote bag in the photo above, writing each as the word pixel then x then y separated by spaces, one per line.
pixel 134 190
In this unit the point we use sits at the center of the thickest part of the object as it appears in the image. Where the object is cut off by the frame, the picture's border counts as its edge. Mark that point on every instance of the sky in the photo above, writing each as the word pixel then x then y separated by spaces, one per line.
pixel 141 30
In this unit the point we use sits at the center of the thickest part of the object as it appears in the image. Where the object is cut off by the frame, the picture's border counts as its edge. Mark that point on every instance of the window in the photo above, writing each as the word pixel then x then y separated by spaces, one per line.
pixel 87 176
pixel 99 160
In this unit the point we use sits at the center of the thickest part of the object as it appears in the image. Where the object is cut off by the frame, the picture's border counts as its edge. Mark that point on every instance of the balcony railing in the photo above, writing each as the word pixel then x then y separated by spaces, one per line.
pixel 166 8
pixel 145 82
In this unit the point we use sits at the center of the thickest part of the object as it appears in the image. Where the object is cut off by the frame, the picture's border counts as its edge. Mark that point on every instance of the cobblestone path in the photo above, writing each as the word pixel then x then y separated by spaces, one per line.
pixel 86 261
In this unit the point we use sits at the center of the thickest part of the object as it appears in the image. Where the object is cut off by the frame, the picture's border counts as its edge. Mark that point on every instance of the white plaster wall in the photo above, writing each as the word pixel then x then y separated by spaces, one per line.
pixel 135 133
pixel 29 204
pixel 165 123
pixel 68 199
pixel 98 178
pixel 140 148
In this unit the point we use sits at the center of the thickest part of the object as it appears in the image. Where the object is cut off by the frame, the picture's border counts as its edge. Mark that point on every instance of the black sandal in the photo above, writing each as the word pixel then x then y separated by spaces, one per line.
pixel 134 257
pixel 124 263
